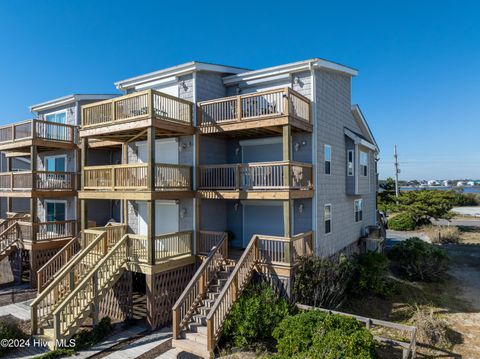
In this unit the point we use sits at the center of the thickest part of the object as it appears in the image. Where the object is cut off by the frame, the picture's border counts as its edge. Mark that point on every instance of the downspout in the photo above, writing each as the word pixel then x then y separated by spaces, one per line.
pixel 313 94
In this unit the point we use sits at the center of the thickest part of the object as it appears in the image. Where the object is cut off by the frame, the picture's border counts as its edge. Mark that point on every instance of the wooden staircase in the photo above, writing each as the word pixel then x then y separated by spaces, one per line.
pixel 201 310
pixel 9 240
pixel 56 288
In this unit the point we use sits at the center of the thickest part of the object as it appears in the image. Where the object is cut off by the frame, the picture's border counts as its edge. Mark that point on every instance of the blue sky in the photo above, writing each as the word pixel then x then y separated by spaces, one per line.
pixel 418 60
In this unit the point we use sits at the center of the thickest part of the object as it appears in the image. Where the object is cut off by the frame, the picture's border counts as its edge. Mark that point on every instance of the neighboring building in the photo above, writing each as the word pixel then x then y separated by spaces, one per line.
pixel 447 183
pixel 38 185
pixel 433 183
pixel 276 160
pixel 471 183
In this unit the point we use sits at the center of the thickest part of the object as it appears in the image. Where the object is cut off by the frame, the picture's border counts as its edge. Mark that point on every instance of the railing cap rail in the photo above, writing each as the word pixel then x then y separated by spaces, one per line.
pixel 24 122
pixel 67 269
pixel 255 94
pixel 200 271
pixel 257 164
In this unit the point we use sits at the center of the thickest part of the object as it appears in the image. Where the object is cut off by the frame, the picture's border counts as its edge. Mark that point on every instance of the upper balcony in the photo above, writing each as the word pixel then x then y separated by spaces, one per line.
pixel 130 115
pixel 20 135
pixel 258 180
pixel 261 113
pixel 130 181
pixel 37 183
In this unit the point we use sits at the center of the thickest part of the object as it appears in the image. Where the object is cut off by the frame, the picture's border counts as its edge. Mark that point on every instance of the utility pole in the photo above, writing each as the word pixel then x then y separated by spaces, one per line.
pixel 397 171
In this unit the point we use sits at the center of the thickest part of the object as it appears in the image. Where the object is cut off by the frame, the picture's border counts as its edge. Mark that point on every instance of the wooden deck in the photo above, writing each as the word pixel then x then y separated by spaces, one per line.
pixel 19 136
pixel 260 114
pixel 127 117
pixel 38 184
pixel 260 180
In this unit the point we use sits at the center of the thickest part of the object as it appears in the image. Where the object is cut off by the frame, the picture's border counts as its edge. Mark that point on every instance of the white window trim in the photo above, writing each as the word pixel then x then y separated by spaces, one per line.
pixel 355 210
pixel 353 163
pixel 56 112
pixel 54 156
pixel 325 159
pixel 331 218
pixel 56 201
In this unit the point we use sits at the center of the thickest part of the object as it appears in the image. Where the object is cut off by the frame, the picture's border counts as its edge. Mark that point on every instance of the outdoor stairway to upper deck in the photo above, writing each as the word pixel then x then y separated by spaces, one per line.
pixel 66 275
pixel 199 313
pixel 9 239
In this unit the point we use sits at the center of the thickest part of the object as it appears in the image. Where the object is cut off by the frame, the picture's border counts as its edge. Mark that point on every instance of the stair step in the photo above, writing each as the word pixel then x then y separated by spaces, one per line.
pixel 213 295
pixel 199 338
pixel 200 319
pixel 197 328
pixel 204 310
pixel 190 346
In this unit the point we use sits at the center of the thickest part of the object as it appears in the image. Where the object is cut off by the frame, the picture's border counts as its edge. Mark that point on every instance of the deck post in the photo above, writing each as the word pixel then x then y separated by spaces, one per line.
pixel 33 165
pixel 151 232
pixel 151 158
pixel 287 150
pixel 83 160
pixel 9 169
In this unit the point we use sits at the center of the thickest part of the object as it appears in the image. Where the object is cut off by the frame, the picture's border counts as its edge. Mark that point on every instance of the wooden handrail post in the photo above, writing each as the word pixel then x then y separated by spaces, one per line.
pixel 238 177
pixel 150 103
pixel 96 300
pixel 239 108
pixel 210 336
pixel 34 319
pixel 113 109
pixel 287 101
pixel 56 326
pixel 176 323
pixel 113 178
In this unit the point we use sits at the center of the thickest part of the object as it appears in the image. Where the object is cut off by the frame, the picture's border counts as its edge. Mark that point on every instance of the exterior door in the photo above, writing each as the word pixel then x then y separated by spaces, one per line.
pixel 262 218
pixel 166 151
pixel 55 164
pixel 56 132
pixel 56 211
pixel 166 217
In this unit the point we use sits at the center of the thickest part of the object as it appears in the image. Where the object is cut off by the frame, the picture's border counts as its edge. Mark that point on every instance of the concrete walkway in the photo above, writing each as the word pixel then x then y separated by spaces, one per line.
pixel 18 310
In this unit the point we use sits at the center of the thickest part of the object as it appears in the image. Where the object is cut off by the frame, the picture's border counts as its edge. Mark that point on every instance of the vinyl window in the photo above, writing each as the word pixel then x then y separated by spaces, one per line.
pixel 327 215
pixel 364 163
pixel 358 210
pixel 328 159
pixel 350 162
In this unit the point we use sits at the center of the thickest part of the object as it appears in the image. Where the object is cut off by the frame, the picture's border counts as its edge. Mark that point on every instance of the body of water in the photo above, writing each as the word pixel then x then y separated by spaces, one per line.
pixel 473 189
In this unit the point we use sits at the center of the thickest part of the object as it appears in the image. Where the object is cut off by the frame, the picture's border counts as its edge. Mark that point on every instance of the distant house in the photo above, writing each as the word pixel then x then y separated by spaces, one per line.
pixel 460 184
pixel 471 183
pixel 447 183
pixel 433 183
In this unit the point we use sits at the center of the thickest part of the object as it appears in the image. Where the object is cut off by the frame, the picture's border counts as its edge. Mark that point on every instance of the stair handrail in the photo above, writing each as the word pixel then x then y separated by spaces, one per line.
pixel 221 307
pixel 51 268
pixel 196 289
pixel 60 323
pixel 67 270
pixel 8 243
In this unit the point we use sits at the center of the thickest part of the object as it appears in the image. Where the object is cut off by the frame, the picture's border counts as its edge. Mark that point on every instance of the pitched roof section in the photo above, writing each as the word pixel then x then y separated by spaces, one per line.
pixel 65 100
pixel 179 70
pixel 362 122
pixel 315 63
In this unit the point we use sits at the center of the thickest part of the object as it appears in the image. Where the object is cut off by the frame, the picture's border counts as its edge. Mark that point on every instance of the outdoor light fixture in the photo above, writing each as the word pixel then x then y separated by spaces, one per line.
pixel 237 151
pixel 183 212
pixel 183 84
pixel 300 208
pixel 235 207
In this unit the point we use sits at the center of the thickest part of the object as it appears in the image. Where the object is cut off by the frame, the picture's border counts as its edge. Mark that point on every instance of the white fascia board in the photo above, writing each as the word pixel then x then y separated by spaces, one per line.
pixel 165 81
pixel 358 140
pixel 287 69
pixel 178 70
pixel 67 100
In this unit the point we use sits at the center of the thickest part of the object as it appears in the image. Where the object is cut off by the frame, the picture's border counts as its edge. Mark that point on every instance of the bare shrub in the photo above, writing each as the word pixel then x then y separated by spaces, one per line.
pixel 442 234
pixel 431 329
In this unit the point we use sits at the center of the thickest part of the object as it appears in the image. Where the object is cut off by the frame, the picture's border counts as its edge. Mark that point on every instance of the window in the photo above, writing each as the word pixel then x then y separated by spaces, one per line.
pixel 327 215
pixel 55 132
pixel 328 159
pixel 364 163
pixel 58 117
pixel 358 205
pixel 55 163
pixel 350 157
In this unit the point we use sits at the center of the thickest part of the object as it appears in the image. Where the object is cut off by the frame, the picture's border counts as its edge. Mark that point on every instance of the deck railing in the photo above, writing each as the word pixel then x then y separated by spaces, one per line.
pixel 38 180
pixel 196 289
pixel 134 177
pixel 45 231
pixel 208 240
pixel 165 246
pixel 256 106
pixel 135 106
pixel 257 176
pixel 259 250
pixel 39 129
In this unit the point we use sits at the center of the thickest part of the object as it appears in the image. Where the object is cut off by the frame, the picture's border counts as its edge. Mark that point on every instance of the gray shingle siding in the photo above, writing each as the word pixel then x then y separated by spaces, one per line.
pixel 333 106
pixel 209 86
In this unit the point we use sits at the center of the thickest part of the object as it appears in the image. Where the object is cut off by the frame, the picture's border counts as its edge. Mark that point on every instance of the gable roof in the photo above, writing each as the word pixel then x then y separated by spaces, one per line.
pixel 178 70
pixel 362 122
pixel 65 100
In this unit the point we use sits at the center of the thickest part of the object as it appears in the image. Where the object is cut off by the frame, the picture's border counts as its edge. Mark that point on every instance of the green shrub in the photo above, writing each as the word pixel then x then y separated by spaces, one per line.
pixel 314 334
pixel 418 260
pixel 402 222
pixel 10 330
pixel 371 275
pixel 254 316
pixel 321 282
pixel 57 353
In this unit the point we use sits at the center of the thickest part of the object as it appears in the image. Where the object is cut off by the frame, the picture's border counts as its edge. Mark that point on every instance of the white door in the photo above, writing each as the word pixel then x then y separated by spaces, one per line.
pixel 171 89
pixel 166 217
pixel 166 151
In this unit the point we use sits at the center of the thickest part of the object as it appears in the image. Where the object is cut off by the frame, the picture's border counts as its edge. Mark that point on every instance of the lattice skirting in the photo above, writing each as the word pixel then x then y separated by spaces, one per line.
pixel 163 290
pixel 38 257
pixel 117 303
pixel 10 268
